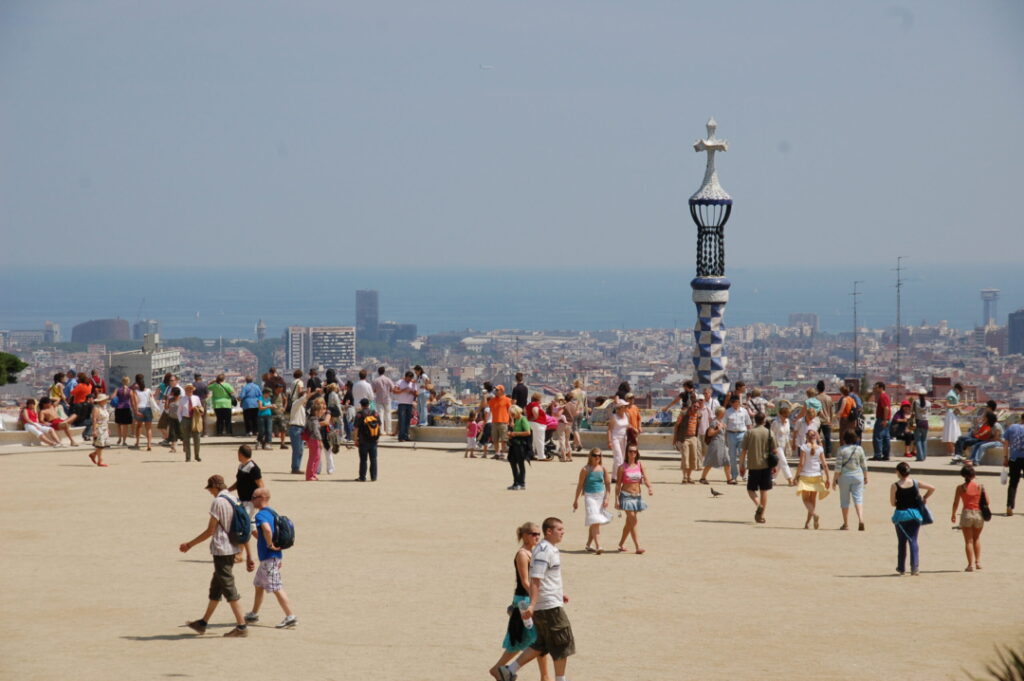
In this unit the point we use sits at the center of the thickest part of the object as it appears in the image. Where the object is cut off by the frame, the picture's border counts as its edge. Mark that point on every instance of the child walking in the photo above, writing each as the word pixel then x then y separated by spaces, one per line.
pixel 472 430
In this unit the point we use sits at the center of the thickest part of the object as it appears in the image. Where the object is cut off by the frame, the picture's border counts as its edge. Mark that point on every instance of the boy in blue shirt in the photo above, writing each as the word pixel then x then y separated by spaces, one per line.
pixel 268 574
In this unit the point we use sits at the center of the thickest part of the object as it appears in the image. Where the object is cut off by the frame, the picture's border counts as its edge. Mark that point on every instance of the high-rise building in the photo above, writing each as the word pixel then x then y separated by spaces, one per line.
pixel 296 356
pixel 1015 335
pixel 261 331
pixel 332 347
pixel 367 314
pixel 989 300
pixel 143 327
pixel 51 332
pixel 804 319
pixel 100 330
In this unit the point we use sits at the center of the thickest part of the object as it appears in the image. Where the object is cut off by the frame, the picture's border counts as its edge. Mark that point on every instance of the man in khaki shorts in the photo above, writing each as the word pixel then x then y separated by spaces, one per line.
pixel 499 405
pixel 554 633
pixel 223 583
pixel 686 438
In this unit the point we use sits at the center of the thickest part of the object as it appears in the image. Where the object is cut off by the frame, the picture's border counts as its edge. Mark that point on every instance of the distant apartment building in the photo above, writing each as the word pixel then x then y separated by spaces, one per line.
pixel 1015 333
pixel 143 327
pixel 150 361
pixel 51 332
pixel 367 314
pixel 100 330
pixel 393 331
pixel 804 319
pixel 332 347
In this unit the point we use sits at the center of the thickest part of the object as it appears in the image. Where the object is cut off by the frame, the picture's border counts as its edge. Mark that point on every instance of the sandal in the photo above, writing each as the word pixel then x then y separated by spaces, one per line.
pixel 703 481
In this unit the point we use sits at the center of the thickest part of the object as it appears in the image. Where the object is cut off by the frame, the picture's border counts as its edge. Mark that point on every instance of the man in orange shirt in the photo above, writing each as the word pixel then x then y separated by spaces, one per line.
pixel 847 418
pixel 499 405
pixel 633 414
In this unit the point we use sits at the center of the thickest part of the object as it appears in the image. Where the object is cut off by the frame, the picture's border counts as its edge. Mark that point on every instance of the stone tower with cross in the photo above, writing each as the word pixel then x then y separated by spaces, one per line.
pixel 710 208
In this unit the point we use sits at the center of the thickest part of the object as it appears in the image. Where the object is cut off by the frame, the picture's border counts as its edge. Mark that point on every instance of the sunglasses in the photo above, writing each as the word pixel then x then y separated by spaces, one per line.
pixel 534 534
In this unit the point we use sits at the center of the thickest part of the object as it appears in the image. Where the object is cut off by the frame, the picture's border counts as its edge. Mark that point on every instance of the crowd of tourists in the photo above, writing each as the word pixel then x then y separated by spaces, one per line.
pixel 749 438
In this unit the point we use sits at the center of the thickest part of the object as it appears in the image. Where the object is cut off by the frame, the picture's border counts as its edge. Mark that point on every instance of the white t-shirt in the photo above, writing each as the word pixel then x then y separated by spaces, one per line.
pixel 362 390
pixel 546 565
pixel 223 511
pixel 802 427
pixel 185 403
pixel 142 399
pixel 812 461
pixel 406 397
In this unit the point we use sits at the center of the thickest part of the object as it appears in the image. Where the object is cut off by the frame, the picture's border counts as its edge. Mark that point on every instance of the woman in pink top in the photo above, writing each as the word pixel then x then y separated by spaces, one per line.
pixel 971 520
pixel 630 476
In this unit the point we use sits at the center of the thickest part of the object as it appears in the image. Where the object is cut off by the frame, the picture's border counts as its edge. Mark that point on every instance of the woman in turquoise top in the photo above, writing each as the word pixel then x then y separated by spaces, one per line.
pixel 265 419
pixel 594 484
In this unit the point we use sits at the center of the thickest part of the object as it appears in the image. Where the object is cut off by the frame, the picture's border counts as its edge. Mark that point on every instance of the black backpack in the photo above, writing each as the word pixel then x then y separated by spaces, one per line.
pixel 284 531
pixel 369 427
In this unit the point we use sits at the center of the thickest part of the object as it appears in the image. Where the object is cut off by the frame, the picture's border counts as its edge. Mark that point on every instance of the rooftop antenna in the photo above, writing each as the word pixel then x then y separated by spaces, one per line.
pixel 856 328
pixel 899 311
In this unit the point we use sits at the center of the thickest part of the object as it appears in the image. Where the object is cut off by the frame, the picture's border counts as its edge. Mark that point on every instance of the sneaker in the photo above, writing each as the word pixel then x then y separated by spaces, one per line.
pixel 237 632
pixel 288 622
pixel 512 488
pixel 197 626
pixel 505 674
pixel 251 617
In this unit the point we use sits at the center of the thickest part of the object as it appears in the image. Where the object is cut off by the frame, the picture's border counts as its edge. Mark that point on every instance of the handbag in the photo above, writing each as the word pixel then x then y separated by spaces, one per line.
pixel 986 512
pixel 926 515
pixel 197 417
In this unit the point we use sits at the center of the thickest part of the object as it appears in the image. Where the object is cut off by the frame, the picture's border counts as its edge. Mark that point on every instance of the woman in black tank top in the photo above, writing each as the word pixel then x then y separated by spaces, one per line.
pixel 518 636
pixel 906 497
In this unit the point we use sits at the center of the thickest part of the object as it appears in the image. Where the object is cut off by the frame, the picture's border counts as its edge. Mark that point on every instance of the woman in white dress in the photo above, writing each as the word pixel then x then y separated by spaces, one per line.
pixel 781 434
pixel 950 422
pixel 594 484
pixel 618 427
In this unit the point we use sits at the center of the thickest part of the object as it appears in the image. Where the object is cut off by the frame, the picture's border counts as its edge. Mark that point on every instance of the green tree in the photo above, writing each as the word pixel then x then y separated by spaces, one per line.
pixel 10 365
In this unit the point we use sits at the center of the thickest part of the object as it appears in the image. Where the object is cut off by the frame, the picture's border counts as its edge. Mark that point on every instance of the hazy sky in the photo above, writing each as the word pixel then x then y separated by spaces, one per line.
pixel 516 132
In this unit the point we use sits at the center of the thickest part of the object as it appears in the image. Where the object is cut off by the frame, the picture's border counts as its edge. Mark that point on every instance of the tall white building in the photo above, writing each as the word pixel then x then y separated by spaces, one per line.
pixel 332 347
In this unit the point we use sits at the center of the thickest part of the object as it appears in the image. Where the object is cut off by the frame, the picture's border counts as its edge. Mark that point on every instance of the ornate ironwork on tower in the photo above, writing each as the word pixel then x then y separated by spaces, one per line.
pixel 710 208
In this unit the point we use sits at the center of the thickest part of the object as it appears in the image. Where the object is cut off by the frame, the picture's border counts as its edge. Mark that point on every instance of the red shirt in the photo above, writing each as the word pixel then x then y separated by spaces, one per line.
pixel 534 413
pixel 883 408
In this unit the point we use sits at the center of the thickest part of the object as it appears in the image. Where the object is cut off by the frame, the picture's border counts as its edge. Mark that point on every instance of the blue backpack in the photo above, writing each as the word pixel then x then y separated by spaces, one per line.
pixel 240 531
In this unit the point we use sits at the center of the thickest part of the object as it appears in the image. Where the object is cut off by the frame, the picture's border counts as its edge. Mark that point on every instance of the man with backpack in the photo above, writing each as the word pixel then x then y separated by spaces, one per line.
pixel 367 432
pixel 228 523
pixel 268 575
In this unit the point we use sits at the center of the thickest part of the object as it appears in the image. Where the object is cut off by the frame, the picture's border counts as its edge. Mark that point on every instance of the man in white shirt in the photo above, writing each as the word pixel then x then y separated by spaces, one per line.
pixel 383 388
pixel 405 396
pixel 190 409
pixel 296 424
pixel 222 510
pixel 737 421
pixel 554 633
pixel 362 390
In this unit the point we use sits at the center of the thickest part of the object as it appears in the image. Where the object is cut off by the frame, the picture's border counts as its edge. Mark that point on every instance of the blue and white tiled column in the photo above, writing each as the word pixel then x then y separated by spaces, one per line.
pixel 710 295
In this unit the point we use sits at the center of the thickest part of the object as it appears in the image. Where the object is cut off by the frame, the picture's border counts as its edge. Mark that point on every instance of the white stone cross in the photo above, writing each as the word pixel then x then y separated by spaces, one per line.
pixel 710 188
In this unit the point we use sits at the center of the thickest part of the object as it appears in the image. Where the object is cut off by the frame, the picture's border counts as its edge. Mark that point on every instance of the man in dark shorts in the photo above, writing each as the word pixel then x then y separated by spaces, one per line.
pixel 756 445
pixel 554 633
pixel 223 583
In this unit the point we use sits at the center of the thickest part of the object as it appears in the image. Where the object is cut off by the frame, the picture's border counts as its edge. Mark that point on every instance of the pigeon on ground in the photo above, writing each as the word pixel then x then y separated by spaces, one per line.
pixel 715 493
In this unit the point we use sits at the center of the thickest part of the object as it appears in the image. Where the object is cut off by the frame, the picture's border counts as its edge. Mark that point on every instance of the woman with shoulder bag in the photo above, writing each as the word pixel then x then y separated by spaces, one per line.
pixel 973 517
pixel 850 478
pixel 905 497
pixel 717 454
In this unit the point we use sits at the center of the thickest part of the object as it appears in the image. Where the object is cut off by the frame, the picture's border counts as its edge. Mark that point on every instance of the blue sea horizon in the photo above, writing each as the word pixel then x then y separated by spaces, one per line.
pixel 224 302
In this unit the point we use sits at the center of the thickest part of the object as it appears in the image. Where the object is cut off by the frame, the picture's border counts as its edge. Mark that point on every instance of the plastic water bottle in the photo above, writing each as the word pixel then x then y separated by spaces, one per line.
pixel 1004 476
pixel 523 607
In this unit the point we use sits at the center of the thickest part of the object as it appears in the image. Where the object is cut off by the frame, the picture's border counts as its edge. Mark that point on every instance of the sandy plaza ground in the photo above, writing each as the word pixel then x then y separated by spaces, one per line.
pixel 409 577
